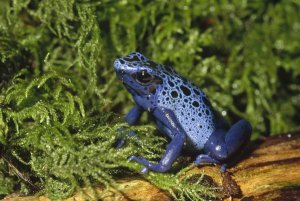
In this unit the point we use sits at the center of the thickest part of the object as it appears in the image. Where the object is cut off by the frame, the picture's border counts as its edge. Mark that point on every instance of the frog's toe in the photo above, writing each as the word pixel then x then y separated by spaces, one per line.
pixel 119 143
pixel 132 134
pixel 131 158
pixel 142 161
pixel 223 167
pixel 144 170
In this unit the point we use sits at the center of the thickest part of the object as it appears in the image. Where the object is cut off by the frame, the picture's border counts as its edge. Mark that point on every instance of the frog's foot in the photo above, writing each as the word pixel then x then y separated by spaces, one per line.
pixel 203 159
pixel 148 165
pixel 120 141
pixel 131 118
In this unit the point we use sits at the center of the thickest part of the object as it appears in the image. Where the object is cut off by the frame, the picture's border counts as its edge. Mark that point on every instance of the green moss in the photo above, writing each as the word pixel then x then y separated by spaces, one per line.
pixel 60 106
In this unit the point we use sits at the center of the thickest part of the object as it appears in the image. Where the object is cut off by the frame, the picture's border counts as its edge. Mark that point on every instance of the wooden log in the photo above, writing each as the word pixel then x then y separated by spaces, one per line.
pixel 269 171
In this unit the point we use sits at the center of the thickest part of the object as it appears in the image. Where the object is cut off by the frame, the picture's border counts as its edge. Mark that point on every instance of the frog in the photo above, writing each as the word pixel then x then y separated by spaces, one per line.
pixel 181 111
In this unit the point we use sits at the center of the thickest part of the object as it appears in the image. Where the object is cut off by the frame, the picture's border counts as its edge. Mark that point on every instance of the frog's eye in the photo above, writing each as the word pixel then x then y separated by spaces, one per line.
pixel 143 77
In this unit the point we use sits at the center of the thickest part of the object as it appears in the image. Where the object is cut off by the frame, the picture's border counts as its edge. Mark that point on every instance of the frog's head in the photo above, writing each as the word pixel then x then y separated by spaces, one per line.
pixel 139 74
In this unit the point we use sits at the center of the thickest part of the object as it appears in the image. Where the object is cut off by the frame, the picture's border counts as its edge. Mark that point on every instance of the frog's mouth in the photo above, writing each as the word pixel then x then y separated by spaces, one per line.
pixel 133 90
pixel 120 74
pixel 130 89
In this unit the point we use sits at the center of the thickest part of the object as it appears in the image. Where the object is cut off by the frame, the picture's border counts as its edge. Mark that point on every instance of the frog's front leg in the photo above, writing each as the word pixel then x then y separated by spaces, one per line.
pixel 131 118
pixel 134 115
pixel 173 149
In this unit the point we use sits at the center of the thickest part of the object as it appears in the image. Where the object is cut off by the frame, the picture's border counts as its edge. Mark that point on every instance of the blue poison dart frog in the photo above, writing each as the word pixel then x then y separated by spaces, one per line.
pixel 181 111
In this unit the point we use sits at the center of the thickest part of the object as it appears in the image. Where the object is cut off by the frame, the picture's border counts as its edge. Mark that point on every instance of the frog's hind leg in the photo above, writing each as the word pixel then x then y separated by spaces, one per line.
pixel 215 146
pixel 222 145
pixel 238 136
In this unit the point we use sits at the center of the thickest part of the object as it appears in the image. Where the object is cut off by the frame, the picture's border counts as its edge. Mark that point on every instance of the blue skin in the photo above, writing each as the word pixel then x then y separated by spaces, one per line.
pixel 181 111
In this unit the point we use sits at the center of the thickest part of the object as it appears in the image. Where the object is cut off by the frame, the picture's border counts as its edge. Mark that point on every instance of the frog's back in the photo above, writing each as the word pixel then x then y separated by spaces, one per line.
pixel 189 105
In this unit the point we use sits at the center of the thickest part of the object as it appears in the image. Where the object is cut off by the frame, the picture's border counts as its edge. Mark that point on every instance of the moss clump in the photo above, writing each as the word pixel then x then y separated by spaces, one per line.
pixel 58 99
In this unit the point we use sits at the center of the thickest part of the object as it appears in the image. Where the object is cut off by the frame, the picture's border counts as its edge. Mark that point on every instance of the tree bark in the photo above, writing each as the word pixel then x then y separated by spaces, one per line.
pixel 269 171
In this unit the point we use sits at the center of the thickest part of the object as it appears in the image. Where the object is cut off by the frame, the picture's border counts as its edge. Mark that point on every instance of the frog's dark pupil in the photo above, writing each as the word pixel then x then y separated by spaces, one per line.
pixel 143 77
